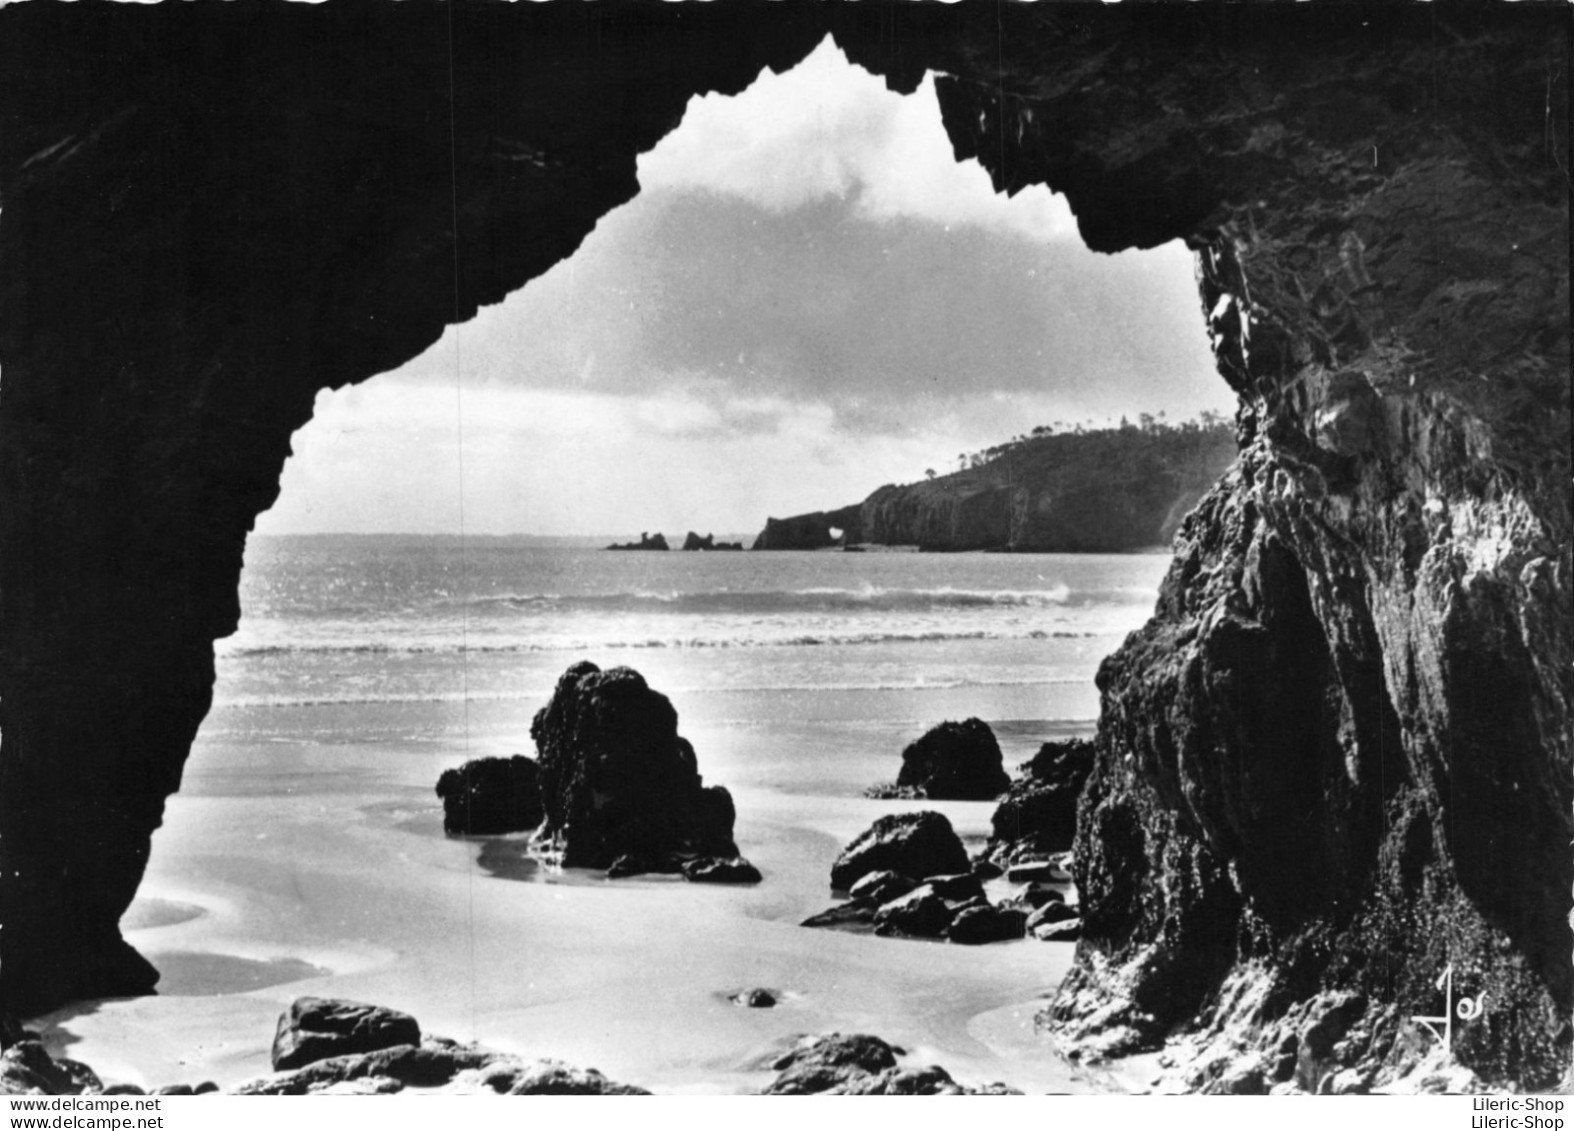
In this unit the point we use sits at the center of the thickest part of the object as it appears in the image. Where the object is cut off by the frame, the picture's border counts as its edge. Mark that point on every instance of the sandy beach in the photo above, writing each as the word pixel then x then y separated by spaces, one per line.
pixel 291 867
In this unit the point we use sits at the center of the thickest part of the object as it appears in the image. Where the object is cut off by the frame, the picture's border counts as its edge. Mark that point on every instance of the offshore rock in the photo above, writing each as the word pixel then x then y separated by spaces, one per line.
pixel 488 796
pixel 646 541
pixel 912 844
pixel 1038 816
pixel 708 543
pixel 618 780
pixel 813 531
pixel 955 762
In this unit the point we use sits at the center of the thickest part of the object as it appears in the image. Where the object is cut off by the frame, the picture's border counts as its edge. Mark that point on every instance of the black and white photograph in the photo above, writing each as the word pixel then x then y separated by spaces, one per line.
pixel 606 547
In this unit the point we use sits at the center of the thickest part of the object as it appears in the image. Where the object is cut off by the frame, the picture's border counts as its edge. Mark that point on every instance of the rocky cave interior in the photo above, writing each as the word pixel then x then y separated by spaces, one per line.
pixel 1346 730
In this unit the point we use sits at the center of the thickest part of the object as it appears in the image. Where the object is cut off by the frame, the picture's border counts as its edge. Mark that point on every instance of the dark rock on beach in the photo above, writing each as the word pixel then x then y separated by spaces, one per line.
pixel 710 870
pixel 341 1047
pixel 316 1028
pixel 27 1069
pixel 1037 818
pixel 985 924
pixel 912 844
pixel 618 780
pixel 876 888
pixel 435 1064
pixel 629 865
pixel 489 796
pixel 854 916
pixel 1062 930
pixel 945 904
pixel 921 914
pixel 954 762
pixel 861 1065
pixel 1053 911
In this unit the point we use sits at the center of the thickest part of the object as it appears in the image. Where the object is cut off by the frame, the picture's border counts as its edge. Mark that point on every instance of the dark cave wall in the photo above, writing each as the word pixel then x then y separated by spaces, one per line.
pixel 1346 729
pixel 210 213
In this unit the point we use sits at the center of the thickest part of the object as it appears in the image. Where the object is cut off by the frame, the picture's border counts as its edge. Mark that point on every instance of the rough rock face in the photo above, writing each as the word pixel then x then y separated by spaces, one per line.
pixel 1108 491
pixel 486 796
pixel 1347 730
pixel 812 531
pixel 617 779
pixel 316 1028
pixel 955 762
pixel 1038 816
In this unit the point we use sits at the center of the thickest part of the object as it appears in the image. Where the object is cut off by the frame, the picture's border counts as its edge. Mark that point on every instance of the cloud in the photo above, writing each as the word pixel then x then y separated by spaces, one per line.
pixel 827 129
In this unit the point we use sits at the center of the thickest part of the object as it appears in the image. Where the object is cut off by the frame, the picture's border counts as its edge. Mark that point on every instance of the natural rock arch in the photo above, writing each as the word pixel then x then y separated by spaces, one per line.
pixel 1346 729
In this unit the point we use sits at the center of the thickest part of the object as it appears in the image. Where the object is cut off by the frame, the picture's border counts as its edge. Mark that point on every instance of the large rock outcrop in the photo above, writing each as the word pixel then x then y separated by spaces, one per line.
pixel 617 780
pixel 1347 730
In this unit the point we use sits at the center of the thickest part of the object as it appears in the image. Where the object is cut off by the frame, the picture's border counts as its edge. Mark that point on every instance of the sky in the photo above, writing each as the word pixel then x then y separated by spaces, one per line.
pixel 809 298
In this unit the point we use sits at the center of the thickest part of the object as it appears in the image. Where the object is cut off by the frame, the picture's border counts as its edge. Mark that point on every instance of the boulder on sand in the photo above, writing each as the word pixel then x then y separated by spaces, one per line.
pixel 1038 817
pixel 488 796
pixel 955 762
pixel 881 887
pixel 913 844
pixel 617 779
pixel 858 1064
pixel 316 1028
pixel 710 870
pixel 980 924
pixel 920 914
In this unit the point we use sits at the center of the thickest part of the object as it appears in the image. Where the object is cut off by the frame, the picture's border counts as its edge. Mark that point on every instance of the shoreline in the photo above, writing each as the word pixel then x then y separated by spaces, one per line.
pixel 288 868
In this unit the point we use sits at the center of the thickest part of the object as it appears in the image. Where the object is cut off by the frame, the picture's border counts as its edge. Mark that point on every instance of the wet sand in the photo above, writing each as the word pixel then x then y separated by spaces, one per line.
pixel 290 865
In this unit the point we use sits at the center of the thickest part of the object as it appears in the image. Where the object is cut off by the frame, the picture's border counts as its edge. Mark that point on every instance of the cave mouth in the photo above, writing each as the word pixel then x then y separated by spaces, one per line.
pixel 369 612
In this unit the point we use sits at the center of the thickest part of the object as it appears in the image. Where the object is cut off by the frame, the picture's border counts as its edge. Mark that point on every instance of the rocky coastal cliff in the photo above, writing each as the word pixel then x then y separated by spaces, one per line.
pixel 1345 733
pixel 816 530
pixel 1110 490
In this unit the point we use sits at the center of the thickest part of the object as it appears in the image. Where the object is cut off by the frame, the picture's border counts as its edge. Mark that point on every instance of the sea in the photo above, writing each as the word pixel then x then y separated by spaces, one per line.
pixel 442 638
